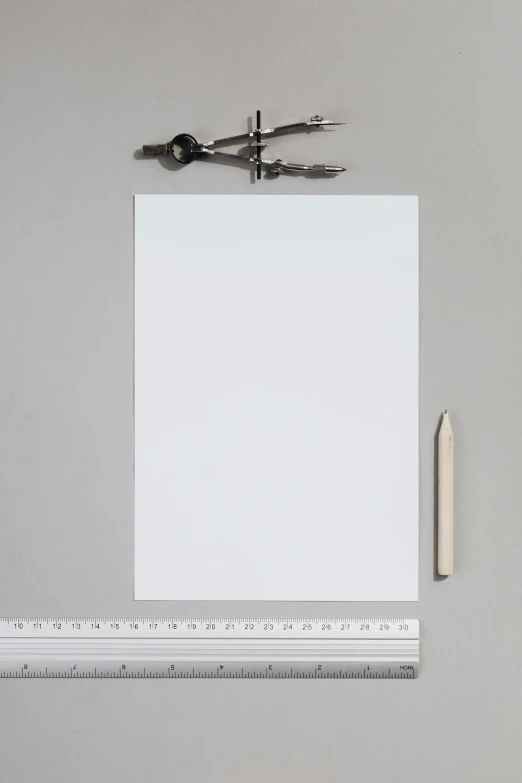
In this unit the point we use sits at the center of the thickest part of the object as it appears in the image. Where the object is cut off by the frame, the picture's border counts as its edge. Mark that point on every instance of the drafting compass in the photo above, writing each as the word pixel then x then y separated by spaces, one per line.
pixel 184 148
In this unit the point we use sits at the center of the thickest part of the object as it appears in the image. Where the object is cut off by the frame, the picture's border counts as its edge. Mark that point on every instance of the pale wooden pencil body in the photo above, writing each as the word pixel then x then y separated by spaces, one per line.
pixel 445 498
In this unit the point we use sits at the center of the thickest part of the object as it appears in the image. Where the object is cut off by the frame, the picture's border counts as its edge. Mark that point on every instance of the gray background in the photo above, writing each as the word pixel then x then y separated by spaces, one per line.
pixel 430 90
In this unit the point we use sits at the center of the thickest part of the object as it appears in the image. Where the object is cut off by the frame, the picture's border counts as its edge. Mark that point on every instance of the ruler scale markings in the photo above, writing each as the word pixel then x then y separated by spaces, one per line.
pixel 129 648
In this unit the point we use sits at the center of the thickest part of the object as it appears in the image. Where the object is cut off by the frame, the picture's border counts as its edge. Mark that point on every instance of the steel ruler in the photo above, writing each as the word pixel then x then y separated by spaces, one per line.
pixel 219 648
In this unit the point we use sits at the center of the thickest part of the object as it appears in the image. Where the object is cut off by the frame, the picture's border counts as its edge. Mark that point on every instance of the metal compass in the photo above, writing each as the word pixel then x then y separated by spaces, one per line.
pixel 185 148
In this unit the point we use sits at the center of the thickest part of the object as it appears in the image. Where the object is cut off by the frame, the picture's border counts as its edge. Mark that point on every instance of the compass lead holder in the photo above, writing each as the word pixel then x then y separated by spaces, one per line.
pixel 185 148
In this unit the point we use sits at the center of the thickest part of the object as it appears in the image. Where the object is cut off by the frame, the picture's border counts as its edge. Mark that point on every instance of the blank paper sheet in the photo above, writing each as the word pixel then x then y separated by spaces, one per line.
pixel 276 398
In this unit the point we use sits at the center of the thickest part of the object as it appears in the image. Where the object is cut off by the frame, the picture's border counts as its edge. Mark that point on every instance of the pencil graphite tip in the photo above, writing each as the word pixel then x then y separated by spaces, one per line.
pixel 445 422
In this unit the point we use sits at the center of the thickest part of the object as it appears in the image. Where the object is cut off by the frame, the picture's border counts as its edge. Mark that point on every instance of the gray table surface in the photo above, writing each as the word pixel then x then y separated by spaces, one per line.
pixel 430 90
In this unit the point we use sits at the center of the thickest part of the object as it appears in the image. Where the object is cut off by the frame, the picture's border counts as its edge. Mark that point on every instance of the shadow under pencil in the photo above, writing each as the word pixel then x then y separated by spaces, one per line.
pixel 436 576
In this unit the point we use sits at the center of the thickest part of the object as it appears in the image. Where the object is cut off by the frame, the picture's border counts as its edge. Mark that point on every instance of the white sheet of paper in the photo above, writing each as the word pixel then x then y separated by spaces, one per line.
pixel 276 398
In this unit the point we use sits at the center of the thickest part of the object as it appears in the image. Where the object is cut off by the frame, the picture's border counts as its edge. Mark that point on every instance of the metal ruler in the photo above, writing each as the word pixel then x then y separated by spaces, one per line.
pixel 219 648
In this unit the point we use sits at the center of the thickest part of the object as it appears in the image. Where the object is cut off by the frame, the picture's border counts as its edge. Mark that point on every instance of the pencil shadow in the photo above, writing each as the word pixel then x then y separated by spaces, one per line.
pixel 436 576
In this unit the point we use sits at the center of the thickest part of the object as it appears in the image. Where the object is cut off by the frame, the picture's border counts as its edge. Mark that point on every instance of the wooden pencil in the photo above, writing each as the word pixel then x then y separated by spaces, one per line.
pixel 445 498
